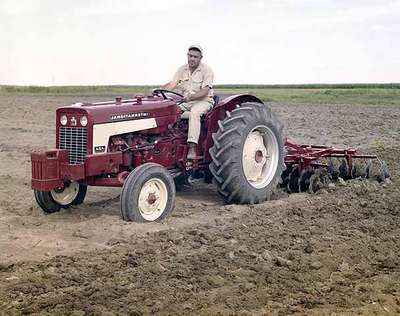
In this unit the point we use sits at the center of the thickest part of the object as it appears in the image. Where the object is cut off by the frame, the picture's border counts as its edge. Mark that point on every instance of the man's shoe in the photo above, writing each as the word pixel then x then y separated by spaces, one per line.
pixel 192 151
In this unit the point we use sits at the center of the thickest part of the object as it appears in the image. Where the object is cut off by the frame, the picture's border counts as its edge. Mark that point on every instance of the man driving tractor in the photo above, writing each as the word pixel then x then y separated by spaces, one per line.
pixel 140 145
pixel 195 80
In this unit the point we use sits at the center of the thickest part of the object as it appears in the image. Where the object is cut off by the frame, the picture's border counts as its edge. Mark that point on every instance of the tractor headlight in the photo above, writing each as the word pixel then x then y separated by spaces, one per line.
pixel 83 120
pixel 63 120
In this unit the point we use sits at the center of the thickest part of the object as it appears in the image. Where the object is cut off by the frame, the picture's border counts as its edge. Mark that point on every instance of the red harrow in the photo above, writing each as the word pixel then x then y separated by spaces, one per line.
pixel 311 167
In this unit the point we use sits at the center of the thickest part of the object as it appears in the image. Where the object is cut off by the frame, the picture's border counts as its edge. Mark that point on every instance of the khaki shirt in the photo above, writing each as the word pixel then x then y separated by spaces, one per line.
pixel 189 83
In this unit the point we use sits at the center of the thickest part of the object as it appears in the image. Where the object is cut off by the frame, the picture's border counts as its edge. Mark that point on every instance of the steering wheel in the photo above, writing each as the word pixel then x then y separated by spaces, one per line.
pixel 164 91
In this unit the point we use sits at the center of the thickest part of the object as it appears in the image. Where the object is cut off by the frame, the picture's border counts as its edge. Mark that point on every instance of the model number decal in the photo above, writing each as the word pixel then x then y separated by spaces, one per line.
pixel 99 149
pixel 127 116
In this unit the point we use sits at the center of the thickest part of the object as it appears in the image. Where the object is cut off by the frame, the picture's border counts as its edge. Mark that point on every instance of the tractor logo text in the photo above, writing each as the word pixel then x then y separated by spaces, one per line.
pixel 128 116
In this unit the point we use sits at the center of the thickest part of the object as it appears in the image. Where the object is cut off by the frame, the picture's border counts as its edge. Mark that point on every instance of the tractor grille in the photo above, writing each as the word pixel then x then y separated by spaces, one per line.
pixel 74 139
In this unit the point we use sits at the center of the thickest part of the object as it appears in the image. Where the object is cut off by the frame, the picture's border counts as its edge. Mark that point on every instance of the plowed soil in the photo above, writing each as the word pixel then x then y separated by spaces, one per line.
pixel 336 252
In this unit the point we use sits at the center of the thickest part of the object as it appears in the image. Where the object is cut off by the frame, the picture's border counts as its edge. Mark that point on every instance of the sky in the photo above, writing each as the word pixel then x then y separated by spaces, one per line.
pixel 131 42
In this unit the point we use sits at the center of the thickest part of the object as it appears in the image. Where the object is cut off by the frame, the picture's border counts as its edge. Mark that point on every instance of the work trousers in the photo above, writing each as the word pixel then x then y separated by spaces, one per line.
pixel 194 110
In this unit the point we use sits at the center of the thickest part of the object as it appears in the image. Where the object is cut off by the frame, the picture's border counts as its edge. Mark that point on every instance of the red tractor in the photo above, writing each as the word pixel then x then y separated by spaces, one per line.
pixel 140 144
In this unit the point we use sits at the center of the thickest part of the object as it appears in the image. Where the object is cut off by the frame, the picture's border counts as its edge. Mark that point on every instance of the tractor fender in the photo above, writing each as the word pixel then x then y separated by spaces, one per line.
pixel 230 102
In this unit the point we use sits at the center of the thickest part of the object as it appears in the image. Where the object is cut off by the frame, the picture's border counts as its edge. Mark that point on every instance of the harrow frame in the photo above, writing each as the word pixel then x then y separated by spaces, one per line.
pixel 307 155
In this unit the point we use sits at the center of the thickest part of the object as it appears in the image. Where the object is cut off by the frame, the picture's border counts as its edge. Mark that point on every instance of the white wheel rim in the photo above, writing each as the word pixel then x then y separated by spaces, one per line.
pixel 153 199
pixel 66 195
pixel 260 156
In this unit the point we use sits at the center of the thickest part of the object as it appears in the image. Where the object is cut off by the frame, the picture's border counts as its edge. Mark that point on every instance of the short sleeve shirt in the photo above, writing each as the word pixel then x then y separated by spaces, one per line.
pixel 189 83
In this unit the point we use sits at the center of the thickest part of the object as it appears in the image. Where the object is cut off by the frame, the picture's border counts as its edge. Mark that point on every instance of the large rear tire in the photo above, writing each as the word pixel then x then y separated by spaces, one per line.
pixel 52 201
pixel 247 155
pixel 148 194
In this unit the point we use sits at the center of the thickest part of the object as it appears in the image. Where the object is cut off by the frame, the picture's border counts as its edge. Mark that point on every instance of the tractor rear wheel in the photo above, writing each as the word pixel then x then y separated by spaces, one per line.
pixel 247 155
pixel 148 194
pixel 73 193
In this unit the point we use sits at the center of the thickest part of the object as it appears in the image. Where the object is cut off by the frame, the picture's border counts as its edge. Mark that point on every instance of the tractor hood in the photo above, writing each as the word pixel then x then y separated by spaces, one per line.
pixel 118 110
pixel 87 127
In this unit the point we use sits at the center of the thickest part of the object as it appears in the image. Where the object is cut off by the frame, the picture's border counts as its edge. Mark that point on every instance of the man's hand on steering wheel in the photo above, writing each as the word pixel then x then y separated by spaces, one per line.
pixel 164 91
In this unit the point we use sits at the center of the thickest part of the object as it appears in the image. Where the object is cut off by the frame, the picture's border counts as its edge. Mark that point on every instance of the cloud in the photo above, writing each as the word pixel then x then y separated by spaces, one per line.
pixel 291 14
pixel 16 8
pixel 123 7
pixel 386 28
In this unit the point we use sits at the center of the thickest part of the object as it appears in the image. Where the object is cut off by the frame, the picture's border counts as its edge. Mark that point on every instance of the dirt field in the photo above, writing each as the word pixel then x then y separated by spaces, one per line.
pixel 332 253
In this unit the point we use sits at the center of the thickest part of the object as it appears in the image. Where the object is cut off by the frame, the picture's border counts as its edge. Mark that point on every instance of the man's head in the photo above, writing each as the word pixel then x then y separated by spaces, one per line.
pixel 195 54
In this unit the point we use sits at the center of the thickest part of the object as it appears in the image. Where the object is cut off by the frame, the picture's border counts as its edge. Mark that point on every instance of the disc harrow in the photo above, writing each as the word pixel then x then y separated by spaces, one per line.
pixel 312 167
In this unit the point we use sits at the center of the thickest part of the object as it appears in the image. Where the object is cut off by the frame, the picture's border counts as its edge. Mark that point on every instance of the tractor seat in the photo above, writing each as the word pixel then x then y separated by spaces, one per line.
pixel 185 115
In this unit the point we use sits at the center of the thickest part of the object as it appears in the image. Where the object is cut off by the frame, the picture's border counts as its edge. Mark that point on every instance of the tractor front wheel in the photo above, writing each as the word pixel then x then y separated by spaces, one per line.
pixel 247 156
pixel 73 193
pixel 148 194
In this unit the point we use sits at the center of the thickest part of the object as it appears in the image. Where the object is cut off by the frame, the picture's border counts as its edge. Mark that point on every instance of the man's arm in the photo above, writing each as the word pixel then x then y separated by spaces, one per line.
pixel 174 82
pixel 169 86
pixel 198 95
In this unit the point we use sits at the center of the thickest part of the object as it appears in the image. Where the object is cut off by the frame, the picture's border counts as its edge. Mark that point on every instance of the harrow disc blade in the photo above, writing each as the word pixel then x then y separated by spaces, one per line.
pixel 319 180
pixel 359 170
pixel 385 173
pixel 293 184
pixel 344 169
pixel 285 176
pixel 368 168
pixel 304 180
pixel 333 168
pixel 378 170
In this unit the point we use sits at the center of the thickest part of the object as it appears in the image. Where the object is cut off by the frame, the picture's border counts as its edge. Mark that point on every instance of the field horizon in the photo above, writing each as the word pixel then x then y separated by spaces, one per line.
pixel 366 94
pixel 8 88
